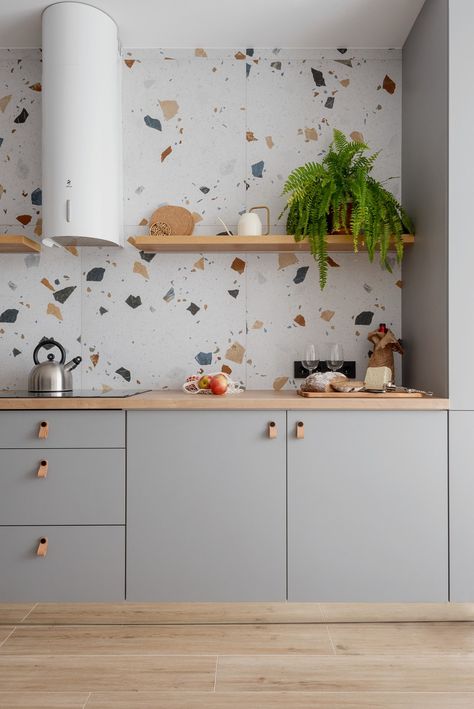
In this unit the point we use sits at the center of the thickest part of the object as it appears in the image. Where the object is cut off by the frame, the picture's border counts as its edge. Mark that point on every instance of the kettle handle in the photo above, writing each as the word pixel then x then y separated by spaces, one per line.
pixel 43 343
pixel 268 216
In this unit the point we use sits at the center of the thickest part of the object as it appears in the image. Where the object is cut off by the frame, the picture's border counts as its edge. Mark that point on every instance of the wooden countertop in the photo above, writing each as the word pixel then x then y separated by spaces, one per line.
pixel 257 399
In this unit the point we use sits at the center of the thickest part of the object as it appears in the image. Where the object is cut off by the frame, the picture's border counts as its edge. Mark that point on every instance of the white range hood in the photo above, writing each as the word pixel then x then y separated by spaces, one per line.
pixel 82 126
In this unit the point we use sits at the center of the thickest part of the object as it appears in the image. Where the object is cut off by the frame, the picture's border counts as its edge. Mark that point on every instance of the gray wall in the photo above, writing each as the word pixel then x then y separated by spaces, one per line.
pixel 425 196
pixel 461 198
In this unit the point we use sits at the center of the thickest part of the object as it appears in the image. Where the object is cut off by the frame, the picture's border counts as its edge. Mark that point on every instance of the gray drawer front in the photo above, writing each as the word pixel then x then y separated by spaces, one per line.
pixel 82 564
pixel 81 487
pixel 66 429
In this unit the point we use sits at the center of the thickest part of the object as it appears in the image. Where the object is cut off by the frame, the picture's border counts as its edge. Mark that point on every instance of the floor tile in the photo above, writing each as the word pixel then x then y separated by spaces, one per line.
pixel 351 674
pixel 94 673
pixel 173 613
pixel 169 639
pixel 279 700
pixel 42 700
pixel 396 612
pixel 401 638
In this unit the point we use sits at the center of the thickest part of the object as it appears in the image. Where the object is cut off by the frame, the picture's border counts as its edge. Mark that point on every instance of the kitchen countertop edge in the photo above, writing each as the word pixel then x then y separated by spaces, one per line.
pixel 249 400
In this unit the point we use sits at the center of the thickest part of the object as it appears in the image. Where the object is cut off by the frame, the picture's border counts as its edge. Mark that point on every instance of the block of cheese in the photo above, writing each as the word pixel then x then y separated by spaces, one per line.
pixel 377 377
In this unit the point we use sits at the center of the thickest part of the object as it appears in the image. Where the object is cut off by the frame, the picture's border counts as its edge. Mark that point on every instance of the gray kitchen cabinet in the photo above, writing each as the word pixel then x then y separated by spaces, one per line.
pixel 367 506
pixel 65 482
pixel 206 506
pixel 81 564
pixel 461 505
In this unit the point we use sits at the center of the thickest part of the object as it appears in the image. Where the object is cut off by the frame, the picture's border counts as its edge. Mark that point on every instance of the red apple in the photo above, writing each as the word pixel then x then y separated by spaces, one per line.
pixel 204 382
pixel 219 384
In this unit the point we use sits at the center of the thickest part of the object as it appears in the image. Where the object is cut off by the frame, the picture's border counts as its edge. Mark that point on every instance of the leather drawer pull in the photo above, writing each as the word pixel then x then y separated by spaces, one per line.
pixel 42 549
pixel 42 469
pixel 300 429
pixel 43 429
pixel 272 429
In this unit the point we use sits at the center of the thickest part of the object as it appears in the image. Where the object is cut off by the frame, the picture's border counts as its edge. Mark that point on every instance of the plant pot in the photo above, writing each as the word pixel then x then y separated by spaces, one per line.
pixel 344 229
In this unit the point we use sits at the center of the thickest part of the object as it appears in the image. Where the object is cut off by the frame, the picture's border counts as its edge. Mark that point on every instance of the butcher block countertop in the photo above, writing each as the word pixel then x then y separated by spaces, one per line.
pixel 258 399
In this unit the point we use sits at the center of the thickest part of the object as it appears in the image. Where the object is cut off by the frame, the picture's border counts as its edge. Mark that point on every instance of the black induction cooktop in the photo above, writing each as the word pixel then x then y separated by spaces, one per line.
pixel 77 393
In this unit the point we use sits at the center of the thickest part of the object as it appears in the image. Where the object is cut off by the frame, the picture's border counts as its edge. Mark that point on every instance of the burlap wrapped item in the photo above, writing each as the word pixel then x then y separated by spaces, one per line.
pixel 385 344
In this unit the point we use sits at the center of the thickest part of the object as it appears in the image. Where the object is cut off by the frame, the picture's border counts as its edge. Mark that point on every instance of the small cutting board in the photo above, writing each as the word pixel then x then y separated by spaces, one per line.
pixel 360 395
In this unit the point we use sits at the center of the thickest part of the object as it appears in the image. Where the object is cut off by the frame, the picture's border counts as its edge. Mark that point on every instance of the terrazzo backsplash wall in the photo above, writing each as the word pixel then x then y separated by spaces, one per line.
pixel 216 131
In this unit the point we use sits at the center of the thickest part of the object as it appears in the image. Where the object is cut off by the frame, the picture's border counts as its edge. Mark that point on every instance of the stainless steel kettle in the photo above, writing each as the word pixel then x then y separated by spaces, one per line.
pixel 51 376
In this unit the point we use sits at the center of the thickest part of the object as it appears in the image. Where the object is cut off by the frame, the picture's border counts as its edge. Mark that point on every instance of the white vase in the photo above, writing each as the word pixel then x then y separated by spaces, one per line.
pixel 250 224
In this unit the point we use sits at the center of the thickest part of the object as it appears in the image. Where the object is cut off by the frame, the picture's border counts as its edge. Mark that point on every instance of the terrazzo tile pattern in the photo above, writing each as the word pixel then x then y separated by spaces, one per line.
pixel 216 131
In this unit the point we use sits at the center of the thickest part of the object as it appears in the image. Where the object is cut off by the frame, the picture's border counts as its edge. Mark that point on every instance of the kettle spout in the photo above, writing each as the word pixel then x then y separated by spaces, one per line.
pixel 69 366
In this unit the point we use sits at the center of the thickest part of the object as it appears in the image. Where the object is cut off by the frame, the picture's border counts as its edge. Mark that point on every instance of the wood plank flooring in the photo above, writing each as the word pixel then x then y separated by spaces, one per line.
pixel 228 656
pixel 213 640
pixel 166 613
pixel 207 613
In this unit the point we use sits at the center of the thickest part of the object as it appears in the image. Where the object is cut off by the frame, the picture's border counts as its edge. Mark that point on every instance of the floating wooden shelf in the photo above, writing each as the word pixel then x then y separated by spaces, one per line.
pixel 18 244
pixel 213 244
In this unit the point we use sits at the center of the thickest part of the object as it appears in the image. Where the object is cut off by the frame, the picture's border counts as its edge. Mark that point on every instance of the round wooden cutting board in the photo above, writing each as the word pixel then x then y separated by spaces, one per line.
pixel 179 219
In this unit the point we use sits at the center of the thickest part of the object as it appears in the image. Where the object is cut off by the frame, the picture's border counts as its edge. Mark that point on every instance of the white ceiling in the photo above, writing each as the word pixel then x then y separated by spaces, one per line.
pixel 232 23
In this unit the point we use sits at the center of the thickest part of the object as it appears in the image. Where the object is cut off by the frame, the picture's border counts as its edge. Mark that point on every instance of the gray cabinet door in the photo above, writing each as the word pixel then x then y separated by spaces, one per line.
pixel 367 506
pixel 461 505
pixel 206 506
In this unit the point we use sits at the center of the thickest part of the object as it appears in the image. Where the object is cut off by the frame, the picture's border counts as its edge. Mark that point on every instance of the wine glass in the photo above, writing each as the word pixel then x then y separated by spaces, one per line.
pixel 310 360
pixel 335 356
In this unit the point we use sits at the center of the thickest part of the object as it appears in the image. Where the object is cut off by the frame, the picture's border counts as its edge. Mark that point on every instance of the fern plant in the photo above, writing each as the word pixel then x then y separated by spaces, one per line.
pixel 340 191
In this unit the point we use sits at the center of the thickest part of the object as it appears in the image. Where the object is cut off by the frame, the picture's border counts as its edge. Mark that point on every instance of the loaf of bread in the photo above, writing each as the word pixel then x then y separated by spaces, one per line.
pixel 321 381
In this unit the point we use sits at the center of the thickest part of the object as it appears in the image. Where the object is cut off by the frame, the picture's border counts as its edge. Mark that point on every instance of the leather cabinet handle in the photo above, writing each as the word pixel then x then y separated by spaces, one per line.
pixel 300 429
pixel 42 549
pixel 43 430
pixel 42 469
pixel 272 429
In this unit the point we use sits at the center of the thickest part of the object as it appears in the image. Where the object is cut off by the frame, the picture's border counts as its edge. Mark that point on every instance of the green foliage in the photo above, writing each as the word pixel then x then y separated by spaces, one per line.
pixel 319 199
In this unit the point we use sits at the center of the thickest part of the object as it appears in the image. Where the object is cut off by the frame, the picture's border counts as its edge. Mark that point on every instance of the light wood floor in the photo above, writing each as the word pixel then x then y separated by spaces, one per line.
pixel 222 656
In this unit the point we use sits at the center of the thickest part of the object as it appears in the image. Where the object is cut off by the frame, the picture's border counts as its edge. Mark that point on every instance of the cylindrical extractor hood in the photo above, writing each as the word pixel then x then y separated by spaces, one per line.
pixel 82 126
